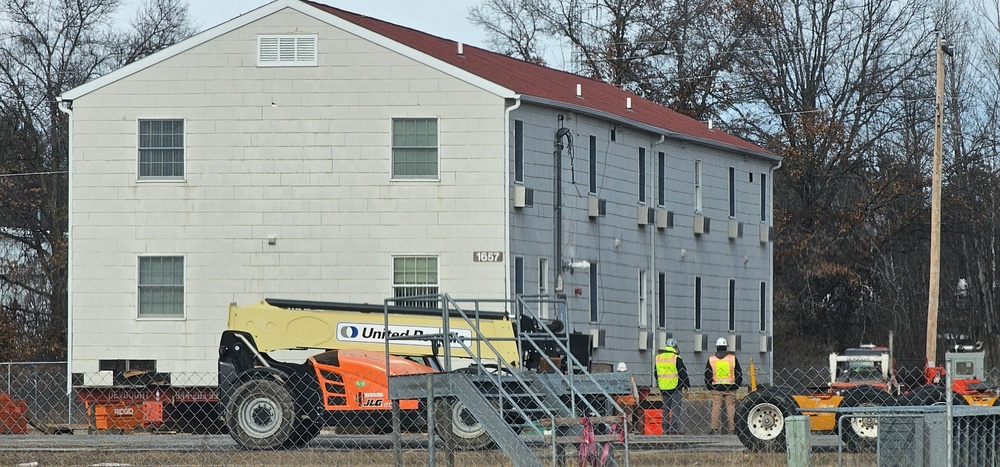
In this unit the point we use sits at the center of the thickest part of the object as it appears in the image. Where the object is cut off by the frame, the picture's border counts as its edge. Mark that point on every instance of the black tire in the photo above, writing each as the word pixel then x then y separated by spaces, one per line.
pixel 930 395
pixel 261 414
pixel 304 432
pixel 861 433
pixel 458 427
pixel 760 419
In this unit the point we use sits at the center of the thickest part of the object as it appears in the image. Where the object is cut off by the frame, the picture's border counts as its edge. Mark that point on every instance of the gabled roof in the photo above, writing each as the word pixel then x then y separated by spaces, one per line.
pixel 550 85
pixel 504 76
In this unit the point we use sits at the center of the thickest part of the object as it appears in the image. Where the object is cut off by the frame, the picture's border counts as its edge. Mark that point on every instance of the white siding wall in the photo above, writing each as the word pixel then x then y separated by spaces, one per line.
pixel 313 170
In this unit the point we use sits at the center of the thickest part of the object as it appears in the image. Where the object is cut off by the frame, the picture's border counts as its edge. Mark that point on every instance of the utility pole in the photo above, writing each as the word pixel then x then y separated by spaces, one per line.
pixel 935 266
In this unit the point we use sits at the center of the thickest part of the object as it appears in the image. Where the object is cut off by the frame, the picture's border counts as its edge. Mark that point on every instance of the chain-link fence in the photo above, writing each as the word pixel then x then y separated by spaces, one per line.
pixel 474 417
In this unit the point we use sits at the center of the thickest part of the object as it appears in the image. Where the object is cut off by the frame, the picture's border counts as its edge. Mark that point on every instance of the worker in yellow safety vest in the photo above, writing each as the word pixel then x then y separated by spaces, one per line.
pixel 723 377
pixel 672 379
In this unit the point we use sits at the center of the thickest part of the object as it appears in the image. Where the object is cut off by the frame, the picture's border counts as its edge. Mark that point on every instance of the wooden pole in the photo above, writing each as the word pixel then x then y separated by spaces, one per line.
pixel 935 266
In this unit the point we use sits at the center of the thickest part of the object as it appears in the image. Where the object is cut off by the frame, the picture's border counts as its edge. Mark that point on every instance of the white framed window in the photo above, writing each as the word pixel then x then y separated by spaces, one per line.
pixel 415 148
pixel 518 151
pixel 594 293
pixel 763 197
pixel 697 186
pixel 661 179
pixel 275 50
pixel 643 299
pixel 161 149
pixel 732 305
pixel 641 179
pixel 732 192
pixel 763 307
pixel 661 299
pixel 543 287
pixel 161 287
pixel 413 276
pixel 593 164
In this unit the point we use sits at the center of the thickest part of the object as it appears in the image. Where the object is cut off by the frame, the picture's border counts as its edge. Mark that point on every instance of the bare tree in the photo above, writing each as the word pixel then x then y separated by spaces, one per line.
pixel 670 51
pixel 46 48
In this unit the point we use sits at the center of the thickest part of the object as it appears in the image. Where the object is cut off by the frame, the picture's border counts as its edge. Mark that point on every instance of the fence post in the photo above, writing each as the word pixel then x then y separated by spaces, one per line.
pixel 797 439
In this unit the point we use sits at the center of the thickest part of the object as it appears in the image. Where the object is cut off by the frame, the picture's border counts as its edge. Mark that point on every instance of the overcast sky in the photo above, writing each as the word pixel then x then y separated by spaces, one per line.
pixel 444 18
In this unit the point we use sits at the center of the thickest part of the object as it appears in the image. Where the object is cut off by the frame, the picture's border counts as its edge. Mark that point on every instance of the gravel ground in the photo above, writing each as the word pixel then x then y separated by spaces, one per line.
pixel 366 450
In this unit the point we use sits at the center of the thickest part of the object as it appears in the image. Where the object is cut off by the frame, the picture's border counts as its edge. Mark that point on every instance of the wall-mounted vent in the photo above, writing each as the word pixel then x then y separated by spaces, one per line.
pixel 663 336
pixel 523 197
pixel 702 225
pixel 765 233
pixel 596 207
pixel 664 219
pixel 700 342
pixel 643 215
pixel 735 343
pixel 735 229
pixel 645 340
pixel 598 337
pixel 765 344
pixel 287 50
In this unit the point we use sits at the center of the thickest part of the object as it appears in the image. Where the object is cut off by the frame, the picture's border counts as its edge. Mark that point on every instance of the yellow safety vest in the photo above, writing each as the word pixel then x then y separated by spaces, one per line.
pixel 723 369
pixel 666 370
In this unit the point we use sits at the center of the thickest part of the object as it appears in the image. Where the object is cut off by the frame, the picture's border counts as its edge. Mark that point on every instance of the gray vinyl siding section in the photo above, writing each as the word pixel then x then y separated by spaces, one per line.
pixel 713 256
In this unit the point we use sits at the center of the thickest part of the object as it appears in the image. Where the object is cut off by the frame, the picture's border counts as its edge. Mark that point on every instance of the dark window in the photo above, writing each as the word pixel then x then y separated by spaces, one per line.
pixel 518 151
pixel 661 173
pixel 642 176
pixel 732 304
pixel 697 303
pixel 661 294
pixel 763 307
pixel 518 275
pixel 593 165
pixel 614 136
pixel 763 197
pixel 593 293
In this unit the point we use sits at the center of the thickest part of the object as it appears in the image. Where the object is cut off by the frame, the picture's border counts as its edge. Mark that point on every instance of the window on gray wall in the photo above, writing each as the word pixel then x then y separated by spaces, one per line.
pixel 763 197
pixel 642 176
pixel 643 299
pixel 661 294
pixel 543 287
pixel 414 148
pixel 732 192
pixel 161 149
pixel 697 303
pixel 518 275
pixel 697 186
pixel 763 307
pixel 518 151
pixel 161 286
pixel 661 174
pixel 593 165
pixel 732 304
pixel 594 292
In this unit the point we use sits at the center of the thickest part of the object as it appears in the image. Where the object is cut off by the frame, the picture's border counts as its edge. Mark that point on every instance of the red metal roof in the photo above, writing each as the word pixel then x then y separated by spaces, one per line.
pixel 530 79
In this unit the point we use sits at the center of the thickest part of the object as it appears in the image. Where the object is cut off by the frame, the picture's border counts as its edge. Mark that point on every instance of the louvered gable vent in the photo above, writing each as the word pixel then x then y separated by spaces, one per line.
pixel 286 50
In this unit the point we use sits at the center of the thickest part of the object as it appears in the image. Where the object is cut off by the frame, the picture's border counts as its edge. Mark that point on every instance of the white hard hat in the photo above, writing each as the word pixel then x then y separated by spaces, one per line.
pixel 721 342
pixel 671 342
pixel 622 367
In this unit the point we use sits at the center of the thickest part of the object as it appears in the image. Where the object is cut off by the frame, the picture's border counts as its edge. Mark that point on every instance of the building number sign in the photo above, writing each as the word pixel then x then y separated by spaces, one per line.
pixel 487 257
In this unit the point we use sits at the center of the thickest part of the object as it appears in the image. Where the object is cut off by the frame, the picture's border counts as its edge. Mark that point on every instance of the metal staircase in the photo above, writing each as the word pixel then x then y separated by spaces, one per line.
pixel 510 403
